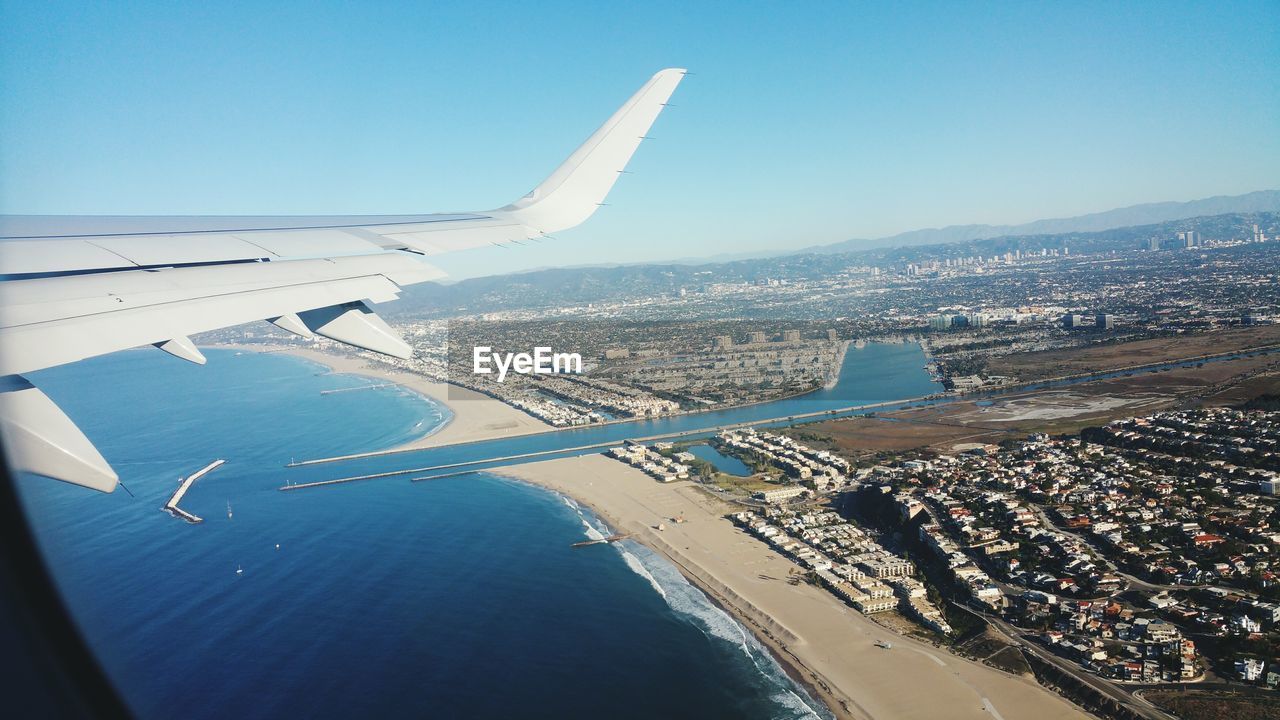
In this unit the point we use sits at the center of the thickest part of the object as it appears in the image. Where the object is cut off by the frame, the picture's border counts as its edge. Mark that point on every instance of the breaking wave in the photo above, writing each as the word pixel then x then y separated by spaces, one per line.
pixel 691 604
pixel 634 563
pixel 592 532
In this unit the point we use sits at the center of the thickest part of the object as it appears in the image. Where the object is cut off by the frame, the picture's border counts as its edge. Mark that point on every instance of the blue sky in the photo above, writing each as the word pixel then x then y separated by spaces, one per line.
pixel 806 123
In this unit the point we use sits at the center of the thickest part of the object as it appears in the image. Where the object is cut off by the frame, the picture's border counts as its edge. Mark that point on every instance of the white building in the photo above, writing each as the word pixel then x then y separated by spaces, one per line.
pixel 779 495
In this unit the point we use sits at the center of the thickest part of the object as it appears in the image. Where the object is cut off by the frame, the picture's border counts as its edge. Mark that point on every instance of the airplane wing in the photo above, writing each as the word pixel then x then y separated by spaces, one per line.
pixel 77 287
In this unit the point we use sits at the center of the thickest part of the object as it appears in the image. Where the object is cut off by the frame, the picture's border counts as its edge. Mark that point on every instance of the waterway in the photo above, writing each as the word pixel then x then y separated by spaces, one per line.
pixel 876 373
pixel 874 378
pixel 723 463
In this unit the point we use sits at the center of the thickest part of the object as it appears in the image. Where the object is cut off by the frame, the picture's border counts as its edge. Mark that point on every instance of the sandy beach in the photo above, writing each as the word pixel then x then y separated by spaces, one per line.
pixel 825 643
pixel 475 416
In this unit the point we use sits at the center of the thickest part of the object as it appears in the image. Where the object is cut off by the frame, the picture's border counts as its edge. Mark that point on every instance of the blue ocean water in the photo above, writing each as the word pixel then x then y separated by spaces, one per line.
pixel 457 597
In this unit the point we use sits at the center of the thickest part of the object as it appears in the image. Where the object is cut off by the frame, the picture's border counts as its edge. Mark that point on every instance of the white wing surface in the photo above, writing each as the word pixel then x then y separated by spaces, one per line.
pixel 77 287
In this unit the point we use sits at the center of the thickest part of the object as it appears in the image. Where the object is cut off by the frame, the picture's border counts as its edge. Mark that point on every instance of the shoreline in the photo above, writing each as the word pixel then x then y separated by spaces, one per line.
pixel 826 665
pixel 541 428
pixel 833 378
pixel 819 689
pixel 473 417
pixel 519 423
pixel 819 641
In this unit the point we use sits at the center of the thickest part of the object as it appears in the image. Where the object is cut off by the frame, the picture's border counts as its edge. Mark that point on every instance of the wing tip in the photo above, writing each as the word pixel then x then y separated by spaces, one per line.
pixel 570 194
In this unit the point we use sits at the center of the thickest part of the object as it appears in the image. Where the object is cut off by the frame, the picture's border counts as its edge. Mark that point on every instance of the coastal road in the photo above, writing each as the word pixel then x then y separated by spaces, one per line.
pixel 1119 694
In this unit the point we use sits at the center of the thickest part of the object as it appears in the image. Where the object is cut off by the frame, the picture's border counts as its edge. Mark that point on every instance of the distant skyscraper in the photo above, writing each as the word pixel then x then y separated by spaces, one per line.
pixel 1072 321
pixel 790 336
pixel 940 322
pixel 832 335
pixel 1104 321
pixel 1189 239
pixel 1153 244
pixel 723 341
pixel 756 338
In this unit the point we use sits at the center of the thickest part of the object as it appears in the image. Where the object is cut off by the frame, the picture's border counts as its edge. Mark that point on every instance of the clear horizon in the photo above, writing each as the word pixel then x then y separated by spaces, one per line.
pixel 800 127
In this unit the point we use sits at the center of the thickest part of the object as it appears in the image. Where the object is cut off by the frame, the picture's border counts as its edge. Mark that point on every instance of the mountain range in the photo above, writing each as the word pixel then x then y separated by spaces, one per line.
pixel 586 284
pixel 1145 214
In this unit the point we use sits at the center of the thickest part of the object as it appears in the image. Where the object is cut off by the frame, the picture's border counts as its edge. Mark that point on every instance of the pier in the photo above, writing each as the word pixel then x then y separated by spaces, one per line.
pixel 448 466
pixel 172 506
pixel 602 541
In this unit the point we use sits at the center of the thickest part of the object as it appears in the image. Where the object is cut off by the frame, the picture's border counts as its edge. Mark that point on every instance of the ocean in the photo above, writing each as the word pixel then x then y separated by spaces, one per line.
pixel 453 598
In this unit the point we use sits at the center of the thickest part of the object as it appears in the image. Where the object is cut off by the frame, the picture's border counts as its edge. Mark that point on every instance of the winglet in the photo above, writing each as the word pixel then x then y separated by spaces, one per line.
pixel 570 194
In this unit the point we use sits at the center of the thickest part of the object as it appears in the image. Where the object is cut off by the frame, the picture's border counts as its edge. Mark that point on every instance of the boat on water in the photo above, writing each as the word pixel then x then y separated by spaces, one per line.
pixel 239 570
pixel 228 509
